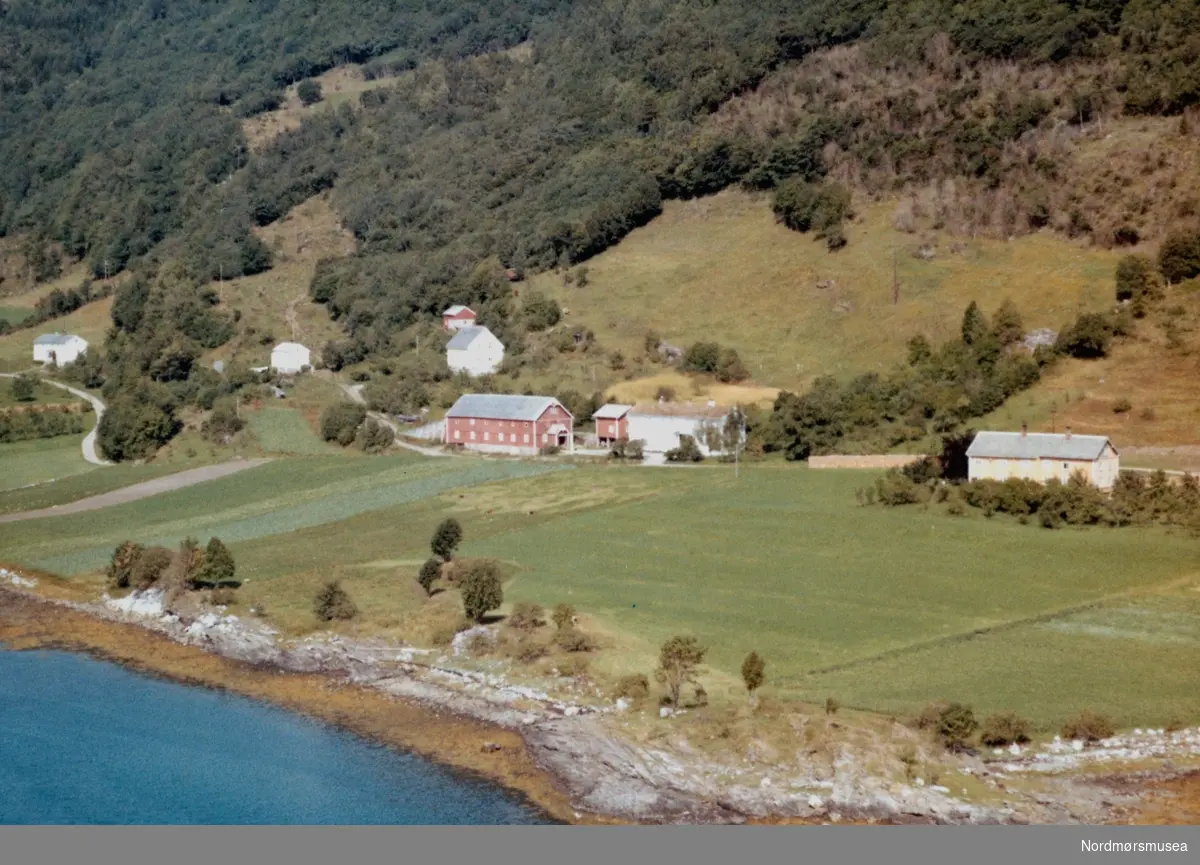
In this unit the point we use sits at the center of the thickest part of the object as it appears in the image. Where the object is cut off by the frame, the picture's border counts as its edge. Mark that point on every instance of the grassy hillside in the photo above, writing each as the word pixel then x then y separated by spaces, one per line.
pixel 1143 394
pixel 720 268
pixel 91 322
pixel 275 306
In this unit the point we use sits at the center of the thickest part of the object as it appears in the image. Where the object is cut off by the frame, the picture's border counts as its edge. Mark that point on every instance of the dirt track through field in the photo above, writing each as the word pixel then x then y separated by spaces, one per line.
pixel 132 493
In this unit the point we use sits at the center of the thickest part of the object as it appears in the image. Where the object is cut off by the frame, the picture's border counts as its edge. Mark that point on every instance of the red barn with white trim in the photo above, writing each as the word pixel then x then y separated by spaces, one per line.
pixel 456 317
pixel 509 424
pixel 612 423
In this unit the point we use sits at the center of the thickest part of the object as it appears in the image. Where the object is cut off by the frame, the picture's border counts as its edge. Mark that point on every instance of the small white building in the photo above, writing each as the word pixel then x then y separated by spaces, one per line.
pixel 475 351
pixel 290 358
pixel 1042 457
pixel 662 424
pixel 57 349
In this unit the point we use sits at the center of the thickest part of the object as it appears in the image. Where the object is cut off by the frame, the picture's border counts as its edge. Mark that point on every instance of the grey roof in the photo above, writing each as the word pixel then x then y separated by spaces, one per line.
pixel 502 406
pixel 54 339
pixel 467 335
pixel 1032 446
pixel 456 309
pixel 612 411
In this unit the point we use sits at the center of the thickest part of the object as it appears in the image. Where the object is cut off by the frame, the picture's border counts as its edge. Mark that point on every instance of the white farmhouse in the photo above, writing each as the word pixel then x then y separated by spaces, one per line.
pixel 57 349
pixel 290 358
pixel 475 351
pixel 660 425
pixel 1042 457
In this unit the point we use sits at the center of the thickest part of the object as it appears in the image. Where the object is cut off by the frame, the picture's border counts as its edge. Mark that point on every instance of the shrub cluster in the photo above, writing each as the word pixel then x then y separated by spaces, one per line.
pixel 190 567
pixel 687 452
pixel 332 603
pixel 340 422
pixel 41 423
pixel 711 357
pixel 631 450
pixel 817 207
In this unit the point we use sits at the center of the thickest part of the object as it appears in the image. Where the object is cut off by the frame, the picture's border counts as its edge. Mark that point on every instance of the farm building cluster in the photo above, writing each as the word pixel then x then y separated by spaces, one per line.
pixel 527 425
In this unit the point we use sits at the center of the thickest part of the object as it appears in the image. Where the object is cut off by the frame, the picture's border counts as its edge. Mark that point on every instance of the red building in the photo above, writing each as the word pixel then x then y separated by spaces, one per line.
pixel 612 425
pixel 458 317
pixel 505 423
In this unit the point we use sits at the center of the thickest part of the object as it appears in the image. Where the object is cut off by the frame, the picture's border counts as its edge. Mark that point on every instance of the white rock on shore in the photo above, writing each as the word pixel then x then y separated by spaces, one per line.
pixel 144 604
pixel 17 580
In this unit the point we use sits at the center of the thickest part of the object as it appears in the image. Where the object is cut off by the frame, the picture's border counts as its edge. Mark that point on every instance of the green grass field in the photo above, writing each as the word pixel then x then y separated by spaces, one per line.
pixel 284 430
pixel 38 461
pixel 884 609
pixel 14 314
pixel 42 394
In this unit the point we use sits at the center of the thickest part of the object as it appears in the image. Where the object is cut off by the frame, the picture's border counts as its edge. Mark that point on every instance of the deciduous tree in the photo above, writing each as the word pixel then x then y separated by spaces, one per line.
pixel 679 662
pixel 446 539
pixel 754 670
pixel 482 590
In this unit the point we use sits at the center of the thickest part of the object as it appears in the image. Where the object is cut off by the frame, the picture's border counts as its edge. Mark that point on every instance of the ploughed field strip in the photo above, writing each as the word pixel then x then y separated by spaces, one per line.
pixel 136 492
pixel 280 497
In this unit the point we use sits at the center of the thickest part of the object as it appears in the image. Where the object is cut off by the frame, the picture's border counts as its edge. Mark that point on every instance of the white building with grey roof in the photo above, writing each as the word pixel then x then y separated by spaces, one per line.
pixel 1042 457
pixel 56 349
pixel 475 351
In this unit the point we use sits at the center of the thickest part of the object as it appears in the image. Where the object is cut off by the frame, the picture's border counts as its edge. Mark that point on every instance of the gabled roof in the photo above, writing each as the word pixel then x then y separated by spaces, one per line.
pixel 1032 446
pixel 679 409
pixel 612 411
pixel 56 338
pixel 458 309
pixel 463 338
pixel 289 346
pixel 502 406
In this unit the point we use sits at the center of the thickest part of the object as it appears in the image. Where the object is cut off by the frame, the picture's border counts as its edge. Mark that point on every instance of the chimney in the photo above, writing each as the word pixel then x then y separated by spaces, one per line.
pixel 712 403
pixel 1068 430
pixel 1024 430
pixel 661 400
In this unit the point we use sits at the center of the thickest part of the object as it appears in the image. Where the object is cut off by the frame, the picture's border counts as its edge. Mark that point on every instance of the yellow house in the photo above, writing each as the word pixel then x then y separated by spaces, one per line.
pixel 1043 456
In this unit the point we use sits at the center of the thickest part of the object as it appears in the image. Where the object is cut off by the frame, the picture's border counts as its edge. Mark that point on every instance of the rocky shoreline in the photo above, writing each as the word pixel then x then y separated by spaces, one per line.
pixel 599 774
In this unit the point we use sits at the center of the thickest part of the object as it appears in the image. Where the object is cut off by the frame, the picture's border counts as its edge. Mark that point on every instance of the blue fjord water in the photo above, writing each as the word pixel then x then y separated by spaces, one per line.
pixel 83 741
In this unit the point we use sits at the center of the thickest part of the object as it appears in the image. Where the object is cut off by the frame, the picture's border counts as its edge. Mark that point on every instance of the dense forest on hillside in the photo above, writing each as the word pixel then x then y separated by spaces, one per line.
pixel 121 140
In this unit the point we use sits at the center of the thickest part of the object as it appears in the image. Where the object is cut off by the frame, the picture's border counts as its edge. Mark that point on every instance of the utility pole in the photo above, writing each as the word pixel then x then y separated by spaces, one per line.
pixel 895 280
